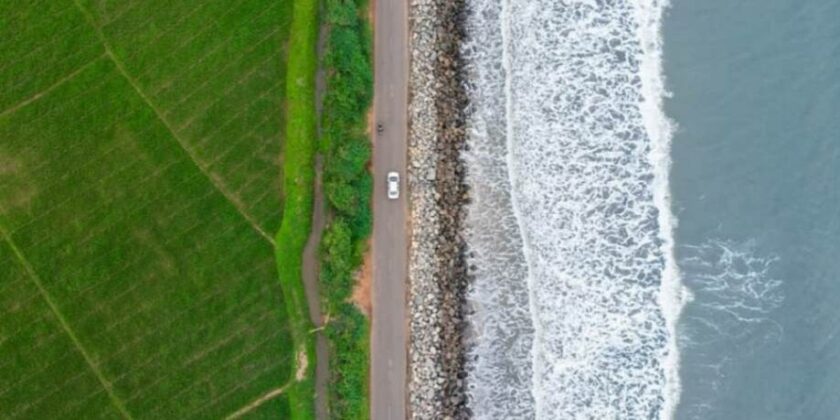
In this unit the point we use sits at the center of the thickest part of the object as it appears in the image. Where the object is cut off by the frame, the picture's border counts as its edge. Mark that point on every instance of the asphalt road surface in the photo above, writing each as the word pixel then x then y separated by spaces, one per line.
pixel 389 324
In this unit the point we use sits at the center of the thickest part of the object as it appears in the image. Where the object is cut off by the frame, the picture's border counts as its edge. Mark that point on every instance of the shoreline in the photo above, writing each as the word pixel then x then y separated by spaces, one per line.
pixel 438 196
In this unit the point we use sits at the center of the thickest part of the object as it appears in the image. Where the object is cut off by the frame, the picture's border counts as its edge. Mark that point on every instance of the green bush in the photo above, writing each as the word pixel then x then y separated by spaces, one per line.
pixel 348 186
pixel 350 337
pixel 361 220
pixel 350 157
pixel 337 266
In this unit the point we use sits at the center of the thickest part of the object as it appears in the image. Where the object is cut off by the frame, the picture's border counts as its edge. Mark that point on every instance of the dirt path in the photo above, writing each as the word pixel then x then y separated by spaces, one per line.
pixel 310 254
pixel 313 297
pixel 258 402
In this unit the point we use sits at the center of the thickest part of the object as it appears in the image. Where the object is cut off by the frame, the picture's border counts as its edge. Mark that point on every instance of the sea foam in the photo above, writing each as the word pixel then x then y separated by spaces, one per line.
pixel 576 293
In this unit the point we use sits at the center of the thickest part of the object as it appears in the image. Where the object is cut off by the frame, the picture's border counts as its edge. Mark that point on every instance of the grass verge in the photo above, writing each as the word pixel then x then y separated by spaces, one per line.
pixel 348 187
pixel 300 147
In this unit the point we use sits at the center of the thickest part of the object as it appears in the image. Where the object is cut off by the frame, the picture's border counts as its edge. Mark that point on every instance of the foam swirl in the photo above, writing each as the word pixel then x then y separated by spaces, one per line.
pixel 576 293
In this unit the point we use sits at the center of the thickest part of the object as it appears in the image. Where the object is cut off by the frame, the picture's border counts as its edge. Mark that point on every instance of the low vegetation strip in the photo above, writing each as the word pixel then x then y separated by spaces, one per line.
pixel 300 147
pixel 157 272
pixel 348 188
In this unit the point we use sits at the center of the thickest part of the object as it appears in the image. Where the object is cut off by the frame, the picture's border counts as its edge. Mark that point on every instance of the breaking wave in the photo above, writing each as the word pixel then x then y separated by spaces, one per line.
pixel 576 294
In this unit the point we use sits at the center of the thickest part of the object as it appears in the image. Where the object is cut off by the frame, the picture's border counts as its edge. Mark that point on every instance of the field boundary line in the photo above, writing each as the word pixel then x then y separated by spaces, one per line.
pixel 50 88
pixel 33 275
pixel 258 402
pixel 214 180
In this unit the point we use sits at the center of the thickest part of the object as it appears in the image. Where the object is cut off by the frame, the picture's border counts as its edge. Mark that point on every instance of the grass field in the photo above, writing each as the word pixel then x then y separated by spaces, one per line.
pixel 140 189
pixel 300 147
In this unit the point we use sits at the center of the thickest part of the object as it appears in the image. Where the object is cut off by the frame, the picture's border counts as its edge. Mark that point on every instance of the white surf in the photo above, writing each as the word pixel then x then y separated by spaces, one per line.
pixel 576 293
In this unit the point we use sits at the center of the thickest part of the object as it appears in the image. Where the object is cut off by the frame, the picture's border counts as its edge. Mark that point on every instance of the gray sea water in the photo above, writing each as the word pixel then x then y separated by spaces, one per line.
pixel 755 180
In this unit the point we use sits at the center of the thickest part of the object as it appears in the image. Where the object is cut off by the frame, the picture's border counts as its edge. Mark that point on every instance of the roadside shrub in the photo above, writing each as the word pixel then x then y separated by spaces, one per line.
pixel 342 196
pixel 348 187
pixel 361 220
pixel 350 335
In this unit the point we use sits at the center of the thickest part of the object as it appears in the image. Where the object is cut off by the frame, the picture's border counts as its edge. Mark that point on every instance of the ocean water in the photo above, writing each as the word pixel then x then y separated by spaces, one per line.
pixel 755 181
pixel 594 126
pixel 576 294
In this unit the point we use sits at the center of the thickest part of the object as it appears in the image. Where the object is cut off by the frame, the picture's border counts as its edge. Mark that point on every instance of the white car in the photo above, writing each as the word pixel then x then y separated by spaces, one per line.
pixel 393 185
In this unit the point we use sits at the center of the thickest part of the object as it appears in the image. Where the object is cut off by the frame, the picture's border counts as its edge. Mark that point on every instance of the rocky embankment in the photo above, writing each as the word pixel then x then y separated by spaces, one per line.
pixel 437 271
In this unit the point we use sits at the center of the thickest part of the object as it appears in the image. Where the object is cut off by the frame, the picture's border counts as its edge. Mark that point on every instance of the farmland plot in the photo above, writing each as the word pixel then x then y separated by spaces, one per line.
pixel 140 163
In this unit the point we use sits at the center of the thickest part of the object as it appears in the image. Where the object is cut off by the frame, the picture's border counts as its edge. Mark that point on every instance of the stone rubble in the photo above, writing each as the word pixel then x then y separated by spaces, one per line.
pixel 437 265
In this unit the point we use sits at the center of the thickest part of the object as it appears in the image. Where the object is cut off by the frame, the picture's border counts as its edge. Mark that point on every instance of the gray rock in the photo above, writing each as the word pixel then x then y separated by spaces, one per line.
pixel 437 268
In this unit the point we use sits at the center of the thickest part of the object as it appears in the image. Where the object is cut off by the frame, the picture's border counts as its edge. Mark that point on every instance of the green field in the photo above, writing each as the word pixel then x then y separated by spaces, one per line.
pixel 141 162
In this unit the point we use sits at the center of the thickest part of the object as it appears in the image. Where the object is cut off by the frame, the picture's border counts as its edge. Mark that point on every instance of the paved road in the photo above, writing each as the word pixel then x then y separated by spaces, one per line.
pixel 390 276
